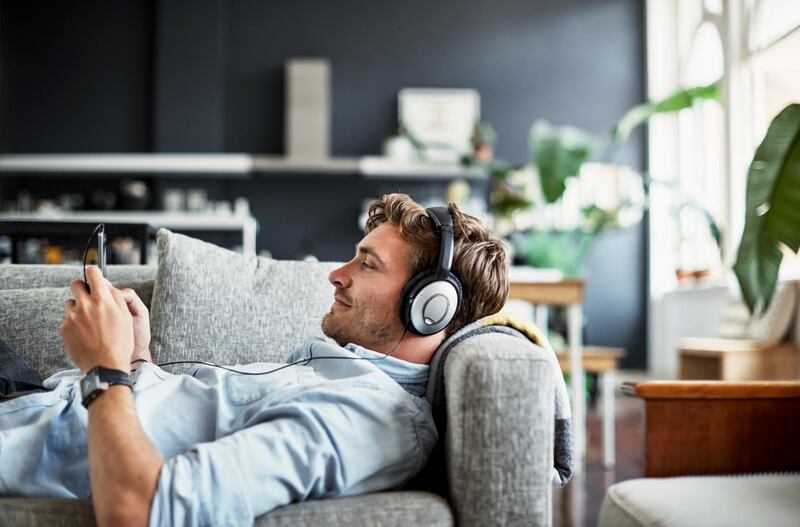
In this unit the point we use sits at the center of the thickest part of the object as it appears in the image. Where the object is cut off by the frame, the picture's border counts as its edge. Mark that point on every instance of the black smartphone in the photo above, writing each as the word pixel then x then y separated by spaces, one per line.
pixel 101 250
pixel 102 242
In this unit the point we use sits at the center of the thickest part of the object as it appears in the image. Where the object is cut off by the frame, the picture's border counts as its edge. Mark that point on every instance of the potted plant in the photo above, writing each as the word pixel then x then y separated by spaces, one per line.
pixel 772 212
pixel 558 155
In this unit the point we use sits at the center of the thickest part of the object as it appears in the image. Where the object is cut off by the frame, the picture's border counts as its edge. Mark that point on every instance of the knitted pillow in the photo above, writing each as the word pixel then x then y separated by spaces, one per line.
pixel 212 304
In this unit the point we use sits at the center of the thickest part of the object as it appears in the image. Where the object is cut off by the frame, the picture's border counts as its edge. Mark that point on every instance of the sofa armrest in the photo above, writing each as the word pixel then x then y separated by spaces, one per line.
pixel 500 431
pixel 698 427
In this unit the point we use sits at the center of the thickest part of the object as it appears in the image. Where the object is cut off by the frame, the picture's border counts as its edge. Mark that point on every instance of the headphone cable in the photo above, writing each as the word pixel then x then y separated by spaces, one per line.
pixel 304 361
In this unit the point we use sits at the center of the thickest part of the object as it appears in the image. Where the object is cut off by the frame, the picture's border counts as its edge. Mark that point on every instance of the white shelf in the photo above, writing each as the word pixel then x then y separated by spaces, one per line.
pixel 181 221
pixel 374 166
pixel 333 165
pixel 237 165
pixel 171 220
pixel 129 163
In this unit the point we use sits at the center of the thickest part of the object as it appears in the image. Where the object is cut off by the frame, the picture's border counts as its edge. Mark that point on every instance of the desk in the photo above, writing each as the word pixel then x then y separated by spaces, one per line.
pixel 602 361
pixel 179 221
pixel 563 292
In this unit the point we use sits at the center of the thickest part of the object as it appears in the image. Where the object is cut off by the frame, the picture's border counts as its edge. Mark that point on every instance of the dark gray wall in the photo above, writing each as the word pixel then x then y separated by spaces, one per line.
pixel 76 76
pixel 572 62
pixel 207 75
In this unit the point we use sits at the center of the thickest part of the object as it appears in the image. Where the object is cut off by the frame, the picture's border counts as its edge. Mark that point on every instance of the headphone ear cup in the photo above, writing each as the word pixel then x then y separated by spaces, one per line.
pixel 424 288
pixel 409 293
pixel 453 279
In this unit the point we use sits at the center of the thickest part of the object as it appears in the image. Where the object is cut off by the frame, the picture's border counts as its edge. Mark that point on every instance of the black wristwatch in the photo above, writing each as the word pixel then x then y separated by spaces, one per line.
pixel 98 380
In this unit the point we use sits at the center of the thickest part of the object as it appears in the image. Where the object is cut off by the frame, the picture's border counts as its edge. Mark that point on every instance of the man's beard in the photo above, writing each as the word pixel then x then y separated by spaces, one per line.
pixel 370 332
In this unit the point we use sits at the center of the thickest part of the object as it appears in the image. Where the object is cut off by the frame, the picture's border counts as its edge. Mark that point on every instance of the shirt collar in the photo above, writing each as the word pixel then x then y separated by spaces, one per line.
pixel 411 376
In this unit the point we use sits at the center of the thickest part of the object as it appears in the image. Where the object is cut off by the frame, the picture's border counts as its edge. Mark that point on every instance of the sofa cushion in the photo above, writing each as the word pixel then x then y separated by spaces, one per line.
pixel 729 501
pixel 23 276
pixel 384 509
pixel 49 512
pixel 212 304
pixel 30 321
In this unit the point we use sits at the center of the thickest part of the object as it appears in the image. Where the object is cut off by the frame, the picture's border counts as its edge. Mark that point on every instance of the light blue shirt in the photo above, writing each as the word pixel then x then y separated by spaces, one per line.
pixel 236 446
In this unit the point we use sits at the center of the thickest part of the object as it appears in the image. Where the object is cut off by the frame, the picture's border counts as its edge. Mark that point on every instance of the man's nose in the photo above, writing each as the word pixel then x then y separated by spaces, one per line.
pixel 339 277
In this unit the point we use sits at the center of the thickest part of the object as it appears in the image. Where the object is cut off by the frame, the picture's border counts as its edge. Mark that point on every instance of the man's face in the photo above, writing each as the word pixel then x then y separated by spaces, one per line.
pixel 366 307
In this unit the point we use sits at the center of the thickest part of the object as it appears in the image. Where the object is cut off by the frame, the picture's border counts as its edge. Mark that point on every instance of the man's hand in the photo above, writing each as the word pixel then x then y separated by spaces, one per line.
pixel 98 327
pixel 141 326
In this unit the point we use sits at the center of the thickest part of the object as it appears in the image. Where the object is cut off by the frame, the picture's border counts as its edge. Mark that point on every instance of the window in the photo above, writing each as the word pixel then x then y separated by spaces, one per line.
pixel 704 152
pixel 701 155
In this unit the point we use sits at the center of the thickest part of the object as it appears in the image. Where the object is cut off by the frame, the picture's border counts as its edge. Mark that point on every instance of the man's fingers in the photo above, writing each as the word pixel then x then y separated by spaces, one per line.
pixel 117 296
pixel 70 304
pixel 78 288
pixel 97 282
pixel 135 303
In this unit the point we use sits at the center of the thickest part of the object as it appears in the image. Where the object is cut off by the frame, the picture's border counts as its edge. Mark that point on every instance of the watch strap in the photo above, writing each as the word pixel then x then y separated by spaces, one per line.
pixel 101 378
pixel 112 376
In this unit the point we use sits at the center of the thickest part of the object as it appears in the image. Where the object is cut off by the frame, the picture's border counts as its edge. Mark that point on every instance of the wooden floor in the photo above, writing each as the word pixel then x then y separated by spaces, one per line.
pixel 578 504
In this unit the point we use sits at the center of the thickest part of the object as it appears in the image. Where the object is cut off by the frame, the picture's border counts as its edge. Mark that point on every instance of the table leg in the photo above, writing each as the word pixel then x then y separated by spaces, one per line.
pixel 608 419
pixel 540 314
pixel 574 327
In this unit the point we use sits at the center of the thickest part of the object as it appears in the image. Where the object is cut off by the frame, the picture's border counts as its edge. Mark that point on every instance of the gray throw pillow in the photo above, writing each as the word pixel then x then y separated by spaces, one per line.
pixel 212 304
pixel 30 321
pixel 33 276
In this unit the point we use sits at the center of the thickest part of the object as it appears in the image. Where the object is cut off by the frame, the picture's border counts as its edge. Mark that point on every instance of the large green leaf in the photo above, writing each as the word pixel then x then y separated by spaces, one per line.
pixel 558 154
pixel 677 101
pixel 772 213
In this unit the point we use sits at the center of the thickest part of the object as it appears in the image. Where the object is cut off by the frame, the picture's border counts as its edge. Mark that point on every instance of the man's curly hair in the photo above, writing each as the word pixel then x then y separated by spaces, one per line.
pixel 479 261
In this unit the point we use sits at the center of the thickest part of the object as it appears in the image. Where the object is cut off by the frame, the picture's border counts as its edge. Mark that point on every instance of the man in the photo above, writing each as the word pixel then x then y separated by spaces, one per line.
pixel 217 447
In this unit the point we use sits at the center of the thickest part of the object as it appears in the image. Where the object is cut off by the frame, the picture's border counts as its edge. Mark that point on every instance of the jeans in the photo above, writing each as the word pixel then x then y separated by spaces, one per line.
pixel 17 377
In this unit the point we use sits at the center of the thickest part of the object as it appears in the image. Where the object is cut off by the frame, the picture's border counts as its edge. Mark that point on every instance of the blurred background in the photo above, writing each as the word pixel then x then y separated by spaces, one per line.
pixel 611 143
pixel 267 126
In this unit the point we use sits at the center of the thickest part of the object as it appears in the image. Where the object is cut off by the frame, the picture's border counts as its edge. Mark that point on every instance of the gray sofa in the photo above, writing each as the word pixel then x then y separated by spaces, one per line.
pixel 493 464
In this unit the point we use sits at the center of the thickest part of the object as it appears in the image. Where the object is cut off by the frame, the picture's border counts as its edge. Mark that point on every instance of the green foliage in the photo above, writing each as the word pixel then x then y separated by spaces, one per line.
pixel 677 101
pixel 558 154
pixel 563 250
pixel 772 214
pixel 506 196
pixel 484 134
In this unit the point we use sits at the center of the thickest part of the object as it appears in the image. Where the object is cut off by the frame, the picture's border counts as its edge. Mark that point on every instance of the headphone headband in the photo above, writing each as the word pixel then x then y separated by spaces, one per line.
pixel 429 300
pixel 443 223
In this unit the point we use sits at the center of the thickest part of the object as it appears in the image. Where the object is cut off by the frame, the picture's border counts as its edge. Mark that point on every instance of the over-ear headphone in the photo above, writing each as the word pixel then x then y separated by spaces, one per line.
pixel 431 298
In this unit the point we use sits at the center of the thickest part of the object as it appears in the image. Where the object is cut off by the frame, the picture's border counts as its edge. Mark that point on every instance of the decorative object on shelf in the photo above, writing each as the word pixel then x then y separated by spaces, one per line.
pixel 174 200
pixel 196 200
pixel 308 102
pixel 134 194
pixel 71 201
pixel 400 147
pixel 772 214
pixel 241 207
pixel 483 140
pixel 440 119
pixel 24 201
pixel 102 200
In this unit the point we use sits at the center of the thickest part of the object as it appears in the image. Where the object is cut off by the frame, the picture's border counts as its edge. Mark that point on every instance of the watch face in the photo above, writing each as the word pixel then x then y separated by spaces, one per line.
pixel 89 383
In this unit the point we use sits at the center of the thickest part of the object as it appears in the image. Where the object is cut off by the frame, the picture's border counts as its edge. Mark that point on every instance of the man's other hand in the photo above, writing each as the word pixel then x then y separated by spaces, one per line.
pixel 141 326
pixel 98 327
